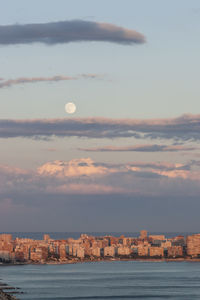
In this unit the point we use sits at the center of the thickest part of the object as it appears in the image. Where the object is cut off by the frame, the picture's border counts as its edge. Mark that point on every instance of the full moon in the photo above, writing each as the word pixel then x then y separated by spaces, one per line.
pixel 70 108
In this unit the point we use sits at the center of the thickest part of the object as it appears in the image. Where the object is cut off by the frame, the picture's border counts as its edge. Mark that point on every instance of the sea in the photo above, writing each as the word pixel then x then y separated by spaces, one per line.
pixel 105 280
pixel 76 235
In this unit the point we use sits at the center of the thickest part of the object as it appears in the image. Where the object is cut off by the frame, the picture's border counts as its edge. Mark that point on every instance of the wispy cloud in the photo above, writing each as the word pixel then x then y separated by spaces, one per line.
pixel 25 80
pixel 184 128
pixel 139 148
pixel 66 32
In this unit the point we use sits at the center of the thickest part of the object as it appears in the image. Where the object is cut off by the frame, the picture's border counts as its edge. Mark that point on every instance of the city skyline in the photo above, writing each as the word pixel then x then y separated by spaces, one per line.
pixel 128 157
pixel 96 248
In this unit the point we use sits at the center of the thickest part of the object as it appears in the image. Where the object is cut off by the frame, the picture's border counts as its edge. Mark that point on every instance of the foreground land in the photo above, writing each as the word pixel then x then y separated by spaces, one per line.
pixel 5 296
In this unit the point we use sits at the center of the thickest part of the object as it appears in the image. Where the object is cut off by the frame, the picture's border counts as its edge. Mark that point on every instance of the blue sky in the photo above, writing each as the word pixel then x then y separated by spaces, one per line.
pixel 157 79
pixel 124 149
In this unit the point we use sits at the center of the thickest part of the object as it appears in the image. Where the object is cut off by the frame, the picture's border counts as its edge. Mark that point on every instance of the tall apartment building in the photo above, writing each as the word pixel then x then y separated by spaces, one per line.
pixel 46 237
pixel 6 237
pixel 156 251
pixel 80 252
pixel 109 251
pixel 123 250
pixel 193 245
pixel 143 234
pixel 175 251
pixel 96 251
pixel 143 250
pixel 62 251
pixel 4 255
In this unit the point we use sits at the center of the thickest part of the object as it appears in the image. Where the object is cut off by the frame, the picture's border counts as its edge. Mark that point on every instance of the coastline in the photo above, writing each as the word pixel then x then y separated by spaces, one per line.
pixel 7 291
pixel 138 259
pixel 5 296
pixel 123 259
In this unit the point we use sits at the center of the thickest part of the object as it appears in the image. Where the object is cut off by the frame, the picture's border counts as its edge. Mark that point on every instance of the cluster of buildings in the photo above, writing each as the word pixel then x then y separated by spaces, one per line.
pixel 24 250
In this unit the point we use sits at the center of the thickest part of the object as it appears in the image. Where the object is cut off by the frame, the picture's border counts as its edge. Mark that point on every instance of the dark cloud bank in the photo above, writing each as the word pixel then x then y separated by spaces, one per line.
pixel 66 32
pixel 184 128
pixel 140 148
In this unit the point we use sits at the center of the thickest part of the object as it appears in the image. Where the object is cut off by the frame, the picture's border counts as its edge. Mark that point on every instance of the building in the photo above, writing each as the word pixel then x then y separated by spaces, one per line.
pixel 193 245
pixel 4 256
pixel 156 251
pixel 175 251
pixel 38 254
pixel 143 250
pixel 19 256
pixel 80 253
pixel 123 250
pixel 109 251
pixel 96 251
pixel 157 237
pixel 166 244
pixel 46 237
pixel 143 234
pixel 62 251
pixel 6 237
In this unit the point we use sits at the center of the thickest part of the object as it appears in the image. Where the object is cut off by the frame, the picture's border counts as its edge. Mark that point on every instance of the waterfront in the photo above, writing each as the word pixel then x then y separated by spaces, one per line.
pixel 106 280
pixel 98 248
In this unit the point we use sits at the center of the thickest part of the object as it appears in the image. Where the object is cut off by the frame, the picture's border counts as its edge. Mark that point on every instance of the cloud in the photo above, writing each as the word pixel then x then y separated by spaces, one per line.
pixel 77 176
pixel 86 177
pixel 184 128
pixel 73 168
pixel 163 169
pixel 166 166
pixel 66 32
pixel 86 189
pixel 190 170
pixel 139 148
pixel 114 197
pixel 12 170
pixel 25 80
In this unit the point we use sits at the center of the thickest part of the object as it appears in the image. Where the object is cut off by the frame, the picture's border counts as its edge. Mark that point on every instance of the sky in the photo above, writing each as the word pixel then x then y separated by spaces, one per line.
pixel 128 158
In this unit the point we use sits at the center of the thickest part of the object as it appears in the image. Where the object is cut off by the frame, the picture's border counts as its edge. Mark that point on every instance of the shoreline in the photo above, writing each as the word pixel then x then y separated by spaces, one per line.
pixel 69 262
pixel 7 291
pixel 6 296
pixel 123 259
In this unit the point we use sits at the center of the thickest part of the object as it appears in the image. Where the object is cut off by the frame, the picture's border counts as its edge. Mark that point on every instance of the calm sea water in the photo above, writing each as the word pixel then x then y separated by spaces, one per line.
pixel 76 235
pixel 106 280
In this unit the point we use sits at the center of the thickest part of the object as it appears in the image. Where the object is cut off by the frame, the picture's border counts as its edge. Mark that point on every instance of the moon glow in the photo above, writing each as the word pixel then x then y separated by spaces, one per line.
pixel 70 108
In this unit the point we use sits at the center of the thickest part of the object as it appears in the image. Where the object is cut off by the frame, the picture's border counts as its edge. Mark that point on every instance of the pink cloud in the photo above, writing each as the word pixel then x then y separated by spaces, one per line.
pixel 73 168
pixel 12 170
pixel 84 176
pixel 170 170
